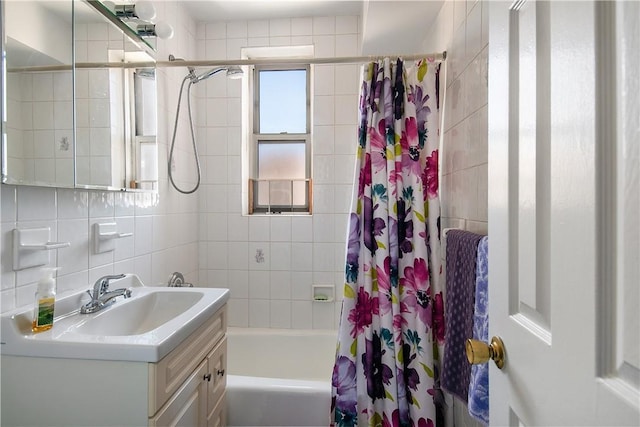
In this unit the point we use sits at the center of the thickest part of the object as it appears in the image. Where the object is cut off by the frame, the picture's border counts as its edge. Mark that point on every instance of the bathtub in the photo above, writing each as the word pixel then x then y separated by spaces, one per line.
pixel 279 377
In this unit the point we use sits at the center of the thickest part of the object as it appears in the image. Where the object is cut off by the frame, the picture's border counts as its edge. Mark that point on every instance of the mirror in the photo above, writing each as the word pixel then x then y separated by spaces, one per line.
pixel 38 141
pixel 113 144
pixel 115 105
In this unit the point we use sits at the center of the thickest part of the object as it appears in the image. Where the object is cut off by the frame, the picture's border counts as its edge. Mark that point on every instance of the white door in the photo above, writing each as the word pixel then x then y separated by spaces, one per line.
pixel 564 209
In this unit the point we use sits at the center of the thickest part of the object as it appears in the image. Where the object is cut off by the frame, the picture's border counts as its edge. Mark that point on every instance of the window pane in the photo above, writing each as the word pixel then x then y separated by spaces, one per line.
pixel 281 160
pixel 283 101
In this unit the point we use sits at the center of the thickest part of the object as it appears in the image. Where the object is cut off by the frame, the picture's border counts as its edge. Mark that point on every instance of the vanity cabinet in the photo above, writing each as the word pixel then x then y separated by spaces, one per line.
pixel 186 387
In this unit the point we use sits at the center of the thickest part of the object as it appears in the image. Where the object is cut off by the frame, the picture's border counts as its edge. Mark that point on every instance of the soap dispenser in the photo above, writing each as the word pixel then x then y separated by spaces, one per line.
pixel 45 301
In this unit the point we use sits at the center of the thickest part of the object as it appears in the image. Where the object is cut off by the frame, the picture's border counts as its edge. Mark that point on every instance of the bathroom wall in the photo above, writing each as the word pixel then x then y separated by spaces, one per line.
pixel 165 225
pixel 462 29
pixel 271 262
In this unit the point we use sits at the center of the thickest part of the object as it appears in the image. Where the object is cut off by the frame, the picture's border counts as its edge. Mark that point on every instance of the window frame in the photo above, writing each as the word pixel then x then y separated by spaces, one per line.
pixel 257 138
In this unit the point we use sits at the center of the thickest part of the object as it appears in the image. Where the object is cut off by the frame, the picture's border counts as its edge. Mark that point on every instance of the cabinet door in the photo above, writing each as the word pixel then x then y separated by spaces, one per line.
pixel 217 362
pixel 218 416
pixel 188 406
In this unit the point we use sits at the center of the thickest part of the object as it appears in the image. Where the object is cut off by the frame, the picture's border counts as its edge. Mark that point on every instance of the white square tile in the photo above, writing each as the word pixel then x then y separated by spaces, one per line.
pixel 279 27
pixel 63 86
pixel 323 110
pixel 259 228
pixel 239 283
pixel 323 257
pixel 346 24
pixel 323 315
pixel 280 41
pixel 125 204
pixel 258 29
pixel 98 51
pixel 280 285
pixel 302 229
pixel 323 225
pixel 323 139
pixel 124 246
pixel 9 202
pixel 323 79
pixel 238 227
pixel 347 80
pixel 36 203
pixel 72 204
pixel 42 115
pixel 323 169
pixel 280 314
pixel 259 313
pixel 259 285
pixel 8 277
pixel 143 235
pixel 234 47
pixel 216 224
pixel 43 87
pixel 64 172
pixel 216 169
pixel 323 25
pixel 236 29
pixel 301 256
pixel 346 139
pixel 238 255
pixel 216 49
pixel 346 45
pixel 216 112
pixel 301 40
pixel 301 315
pixel 474 31
pixel 280 229
pixel 101 204
pixel 301 26
pixel 217 30
pixel 99 113
pixel 217 279
pixel 43 144
pixel 324 46
pixel 280 256
pixel 346 110
pixel 238 312
pixel 217 259
pixel 45 170
pixel 323 196
pixel 301 285
pixel 344 167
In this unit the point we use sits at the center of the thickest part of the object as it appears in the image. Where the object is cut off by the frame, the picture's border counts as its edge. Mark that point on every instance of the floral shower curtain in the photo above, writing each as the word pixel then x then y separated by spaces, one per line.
pixel 392 325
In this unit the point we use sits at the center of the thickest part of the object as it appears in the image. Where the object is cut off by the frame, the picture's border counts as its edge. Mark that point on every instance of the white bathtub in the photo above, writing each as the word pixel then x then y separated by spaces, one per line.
pixel 279 377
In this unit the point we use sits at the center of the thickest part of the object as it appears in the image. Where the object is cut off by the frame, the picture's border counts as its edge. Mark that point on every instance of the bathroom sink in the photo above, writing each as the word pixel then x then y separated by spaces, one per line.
pixel 144 327
pixel 140 315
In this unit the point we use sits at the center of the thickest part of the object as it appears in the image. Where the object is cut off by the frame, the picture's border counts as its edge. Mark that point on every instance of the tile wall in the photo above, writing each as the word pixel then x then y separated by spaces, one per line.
pixel 271 262
pixel 462 29
pixel 165 225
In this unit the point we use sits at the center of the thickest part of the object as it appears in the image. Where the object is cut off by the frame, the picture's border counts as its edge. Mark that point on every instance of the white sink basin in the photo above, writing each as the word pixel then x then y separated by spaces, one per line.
pixel 145 327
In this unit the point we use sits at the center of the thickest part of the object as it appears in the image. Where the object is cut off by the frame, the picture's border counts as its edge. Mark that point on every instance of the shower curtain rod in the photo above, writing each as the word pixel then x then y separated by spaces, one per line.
pixel 216 63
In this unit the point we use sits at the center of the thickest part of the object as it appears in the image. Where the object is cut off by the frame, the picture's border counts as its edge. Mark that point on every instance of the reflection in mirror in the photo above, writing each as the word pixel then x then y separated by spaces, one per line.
pixel 108 140
pixel 39 93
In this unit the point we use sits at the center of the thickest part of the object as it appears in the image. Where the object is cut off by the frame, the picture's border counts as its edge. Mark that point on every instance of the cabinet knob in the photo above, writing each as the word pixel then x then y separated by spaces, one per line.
pixel 207 377
pixel 221 372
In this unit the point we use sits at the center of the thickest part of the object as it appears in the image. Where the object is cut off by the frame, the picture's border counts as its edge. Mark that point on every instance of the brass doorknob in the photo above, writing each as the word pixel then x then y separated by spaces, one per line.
pixel 479 352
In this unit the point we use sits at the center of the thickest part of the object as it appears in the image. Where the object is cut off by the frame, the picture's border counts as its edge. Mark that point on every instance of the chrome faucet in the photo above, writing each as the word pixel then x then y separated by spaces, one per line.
pixel 101 297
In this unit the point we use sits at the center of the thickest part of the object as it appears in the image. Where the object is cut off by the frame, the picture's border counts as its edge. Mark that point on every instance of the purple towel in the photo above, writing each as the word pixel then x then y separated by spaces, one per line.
pixel 462 252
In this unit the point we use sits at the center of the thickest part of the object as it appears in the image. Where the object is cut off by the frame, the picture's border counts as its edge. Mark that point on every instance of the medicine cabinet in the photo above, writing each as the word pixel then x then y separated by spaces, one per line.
pixel 79 98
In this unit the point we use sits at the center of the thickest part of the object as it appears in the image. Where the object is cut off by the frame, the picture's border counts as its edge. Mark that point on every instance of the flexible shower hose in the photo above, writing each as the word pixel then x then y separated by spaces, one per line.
pixel 193 137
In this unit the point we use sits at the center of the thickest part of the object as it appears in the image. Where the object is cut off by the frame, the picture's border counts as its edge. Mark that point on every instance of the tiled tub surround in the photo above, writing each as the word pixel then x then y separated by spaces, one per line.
pixel 271 262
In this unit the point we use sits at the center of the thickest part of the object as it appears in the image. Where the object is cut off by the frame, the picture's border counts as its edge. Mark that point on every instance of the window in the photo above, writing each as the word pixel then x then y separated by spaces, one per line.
pixel 281 140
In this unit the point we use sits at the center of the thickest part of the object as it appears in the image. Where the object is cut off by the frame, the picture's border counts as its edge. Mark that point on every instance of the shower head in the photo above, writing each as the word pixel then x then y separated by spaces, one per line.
pixel 233 72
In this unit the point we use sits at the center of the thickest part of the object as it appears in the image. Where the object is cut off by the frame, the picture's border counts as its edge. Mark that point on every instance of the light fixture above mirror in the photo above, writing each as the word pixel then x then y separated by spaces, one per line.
pixel 141 18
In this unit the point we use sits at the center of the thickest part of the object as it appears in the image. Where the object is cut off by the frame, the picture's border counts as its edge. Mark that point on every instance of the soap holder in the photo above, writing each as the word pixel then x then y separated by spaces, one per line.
pixel 323 293
pixel 104 236
pixel 31 247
